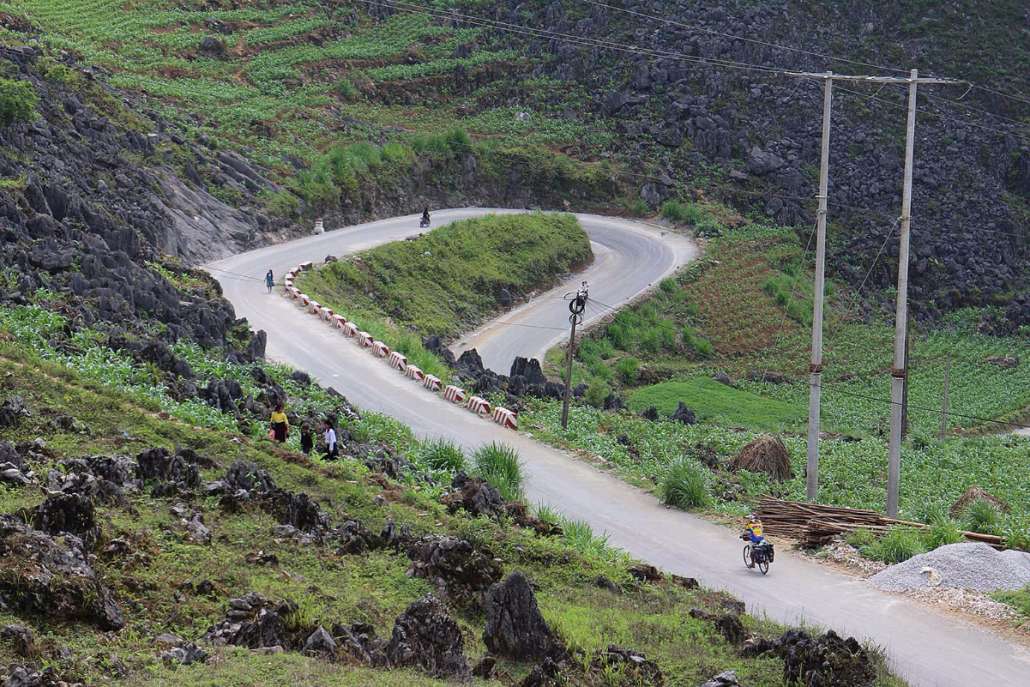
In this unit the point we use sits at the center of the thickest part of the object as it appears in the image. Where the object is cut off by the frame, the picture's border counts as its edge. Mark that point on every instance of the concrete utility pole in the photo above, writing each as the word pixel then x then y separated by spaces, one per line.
pixel 576 307
pixel 816 367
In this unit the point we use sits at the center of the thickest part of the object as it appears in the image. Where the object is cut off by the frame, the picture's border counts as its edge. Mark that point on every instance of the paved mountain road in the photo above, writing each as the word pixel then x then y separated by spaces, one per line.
pixel 926 646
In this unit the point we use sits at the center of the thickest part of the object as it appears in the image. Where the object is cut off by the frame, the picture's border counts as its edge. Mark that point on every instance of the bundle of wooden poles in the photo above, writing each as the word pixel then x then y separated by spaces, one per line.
pixel 814 525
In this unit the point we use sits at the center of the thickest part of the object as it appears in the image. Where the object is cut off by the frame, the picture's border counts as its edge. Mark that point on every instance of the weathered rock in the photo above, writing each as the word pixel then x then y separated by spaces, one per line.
pixel 726 678
pixel 529 370
pixel 21 638
pixel 172 474
pixel 22 676
pixel 359 642
pixel 52 578
pixel 425 637
pixel 546 674
pixel 13 411
pixel 650 413
pixel 645 572
pixel 255 622
pixel 474 495
pixel 456 567
pixel 723 378
pixel 320 643
pixel 826 660
pixel 683 414
pixel 631 664
pixel 213 47
pixel 514 626
pixel 728 624
pixel 469 365
pixel 68 514
pixel 185 654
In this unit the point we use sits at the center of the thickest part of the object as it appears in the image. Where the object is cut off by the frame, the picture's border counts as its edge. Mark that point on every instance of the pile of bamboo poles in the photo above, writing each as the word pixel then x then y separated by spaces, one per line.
pixel 814 525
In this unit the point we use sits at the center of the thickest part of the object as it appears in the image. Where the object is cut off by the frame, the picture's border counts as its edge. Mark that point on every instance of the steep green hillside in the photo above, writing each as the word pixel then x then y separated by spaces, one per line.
pixel 169 545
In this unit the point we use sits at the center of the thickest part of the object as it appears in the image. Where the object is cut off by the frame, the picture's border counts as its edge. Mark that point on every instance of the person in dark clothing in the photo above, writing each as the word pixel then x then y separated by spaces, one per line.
pixel 425 216
pixel 280 424
pixel 269 281
pixel 307 439
pixel 331 449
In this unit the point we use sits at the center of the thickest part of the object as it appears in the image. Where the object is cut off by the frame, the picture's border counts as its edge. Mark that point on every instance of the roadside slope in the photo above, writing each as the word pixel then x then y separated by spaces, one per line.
pixel 796 590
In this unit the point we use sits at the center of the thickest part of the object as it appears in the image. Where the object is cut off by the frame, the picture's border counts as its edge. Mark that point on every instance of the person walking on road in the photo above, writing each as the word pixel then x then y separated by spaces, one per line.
pixel 280 424
pixel 331 450
pixel 269 281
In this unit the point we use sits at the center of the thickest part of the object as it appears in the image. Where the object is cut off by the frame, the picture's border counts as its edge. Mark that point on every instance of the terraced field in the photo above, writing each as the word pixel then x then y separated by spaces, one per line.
pixel 289 81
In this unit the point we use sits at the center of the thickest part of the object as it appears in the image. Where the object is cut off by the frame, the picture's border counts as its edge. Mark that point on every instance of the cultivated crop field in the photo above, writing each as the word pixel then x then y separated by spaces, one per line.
pixel 742 310
pixel 290 79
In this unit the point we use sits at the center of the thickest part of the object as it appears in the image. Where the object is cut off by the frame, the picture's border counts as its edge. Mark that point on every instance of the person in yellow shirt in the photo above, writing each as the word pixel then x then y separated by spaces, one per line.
pixel 753 531
pixel 280 424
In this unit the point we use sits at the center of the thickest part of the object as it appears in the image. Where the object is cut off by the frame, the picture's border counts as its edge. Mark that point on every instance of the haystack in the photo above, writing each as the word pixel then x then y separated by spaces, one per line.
pixel 766 454
pixel 971 496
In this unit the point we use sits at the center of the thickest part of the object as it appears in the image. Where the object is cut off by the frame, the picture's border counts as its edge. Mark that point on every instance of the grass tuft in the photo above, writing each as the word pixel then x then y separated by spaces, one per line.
pixel 500 465
pixel 685 485
pixel 441 454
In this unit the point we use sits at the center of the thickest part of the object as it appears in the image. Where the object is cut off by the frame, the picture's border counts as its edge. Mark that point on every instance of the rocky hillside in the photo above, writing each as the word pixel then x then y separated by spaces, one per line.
pixel 136 548
pixel 752 139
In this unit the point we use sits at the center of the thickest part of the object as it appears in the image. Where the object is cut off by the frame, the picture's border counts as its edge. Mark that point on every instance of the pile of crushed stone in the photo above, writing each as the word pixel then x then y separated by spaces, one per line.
pixel 973 566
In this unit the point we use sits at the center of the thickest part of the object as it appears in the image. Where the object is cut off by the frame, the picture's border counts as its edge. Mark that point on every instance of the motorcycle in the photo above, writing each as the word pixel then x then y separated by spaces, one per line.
pixel 758 554
pixel 423 223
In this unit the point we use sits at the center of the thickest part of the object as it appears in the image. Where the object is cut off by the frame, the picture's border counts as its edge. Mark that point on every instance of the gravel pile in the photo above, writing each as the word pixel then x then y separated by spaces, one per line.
pixel 962 566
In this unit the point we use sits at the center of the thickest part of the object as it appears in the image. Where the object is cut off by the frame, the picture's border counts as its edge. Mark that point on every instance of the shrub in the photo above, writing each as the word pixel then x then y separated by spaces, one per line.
pixel 1016 532
pixel 628 369
pixel 499 465
pixel 597 391
pixel 685 485
pixel 942 530
pixel 700 345
pixel 1019 599
pixel 861 538
pixel 440 454
pixel 347 90
pixel 982 516
pixel 682 213
pixel 898 544
pixel 18 101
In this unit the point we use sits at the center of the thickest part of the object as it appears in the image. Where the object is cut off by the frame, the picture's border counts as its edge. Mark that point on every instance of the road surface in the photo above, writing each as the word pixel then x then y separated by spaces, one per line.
pixel 927 647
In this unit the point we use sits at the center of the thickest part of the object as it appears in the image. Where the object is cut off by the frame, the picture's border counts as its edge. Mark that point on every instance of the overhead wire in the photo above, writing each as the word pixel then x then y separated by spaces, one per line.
pixel 812 53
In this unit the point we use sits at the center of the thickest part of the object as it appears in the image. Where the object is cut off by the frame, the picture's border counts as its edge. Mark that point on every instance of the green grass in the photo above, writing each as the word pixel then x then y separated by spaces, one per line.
pixel 386 292
pixel 441 454
pixel 685 485
pixel 451 278
pixel 328 587
pixel 501 466
pixel 1019 600
pixel 897 545
pixel 715 402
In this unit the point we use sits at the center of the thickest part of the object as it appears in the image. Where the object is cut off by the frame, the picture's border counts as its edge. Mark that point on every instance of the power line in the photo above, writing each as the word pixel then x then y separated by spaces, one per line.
pixel 570 38
pixel 666 20
pixel 1016 122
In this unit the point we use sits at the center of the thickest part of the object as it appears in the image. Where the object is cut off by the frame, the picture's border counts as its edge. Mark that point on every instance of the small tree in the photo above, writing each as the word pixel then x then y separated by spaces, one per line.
pixel 18 101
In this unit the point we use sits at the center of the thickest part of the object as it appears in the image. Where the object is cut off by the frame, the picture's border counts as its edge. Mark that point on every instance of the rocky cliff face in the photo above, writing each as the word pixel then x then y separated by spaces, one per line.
pixel 90 202
pixel 756 135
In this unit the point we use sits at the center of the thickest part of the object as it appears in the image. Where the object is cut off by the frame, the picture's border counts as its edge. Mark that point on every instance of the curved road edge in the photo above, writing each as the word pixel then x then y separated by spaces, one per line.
pixel 926 646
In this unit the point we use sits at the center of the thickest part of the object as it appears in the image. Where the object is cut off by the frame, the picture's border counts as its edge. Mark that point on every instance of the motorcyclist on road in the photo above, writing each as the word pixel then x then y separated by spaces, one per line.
pixel 425 215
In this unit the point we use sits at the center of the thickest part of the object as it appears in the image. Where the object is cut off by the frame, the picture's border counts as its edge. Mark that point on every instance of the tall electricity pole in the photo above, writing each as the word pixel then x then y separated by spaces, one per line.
pixel 816 367
pixel 577 305
pixel 900 361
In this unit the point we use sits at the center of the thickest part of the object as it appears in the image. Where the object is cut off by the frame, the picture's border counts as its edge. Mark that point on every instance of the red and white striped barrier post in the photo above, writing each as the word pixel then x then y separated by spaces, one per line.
pixel 304 266
pixel 380 349
pixel 364 339
pixel 398 361
pixel 305 299
pixel 314 307
pixel 413 372
pixel 478 405
pixel 327 314
pixel 349 328
pixel 431 382
pixel 339 321
pixel 453 394
pixel 505 418
pixel 294 293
